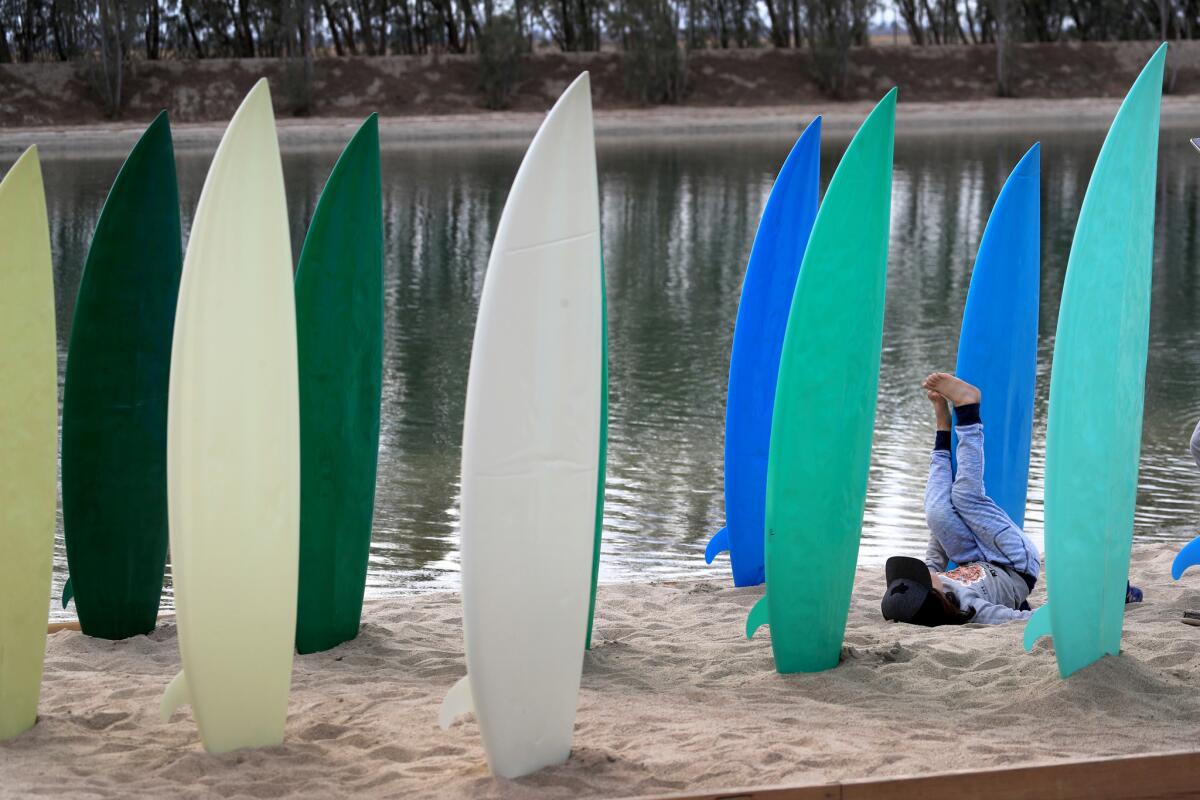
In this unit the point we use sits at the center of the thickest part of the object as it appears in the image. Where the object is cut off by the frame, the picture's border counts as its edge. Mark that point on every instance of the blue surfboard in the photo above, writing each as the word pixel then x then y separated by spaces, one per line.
pixel 1189 556
pixel 997 348
pixel 767 289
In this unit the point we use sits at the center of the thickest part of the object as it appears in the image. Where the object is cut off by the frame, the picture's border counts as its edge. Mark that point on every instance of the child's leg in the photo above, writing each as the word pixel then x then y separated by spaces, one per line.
pixel 993 528
pixel 944 522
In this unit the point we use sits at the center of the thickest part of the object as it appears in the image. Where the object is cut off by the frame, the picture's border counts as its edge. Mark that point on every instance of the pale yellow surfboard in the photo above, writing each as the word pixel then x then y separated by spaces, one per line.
pixel 28 440
pixel 233 442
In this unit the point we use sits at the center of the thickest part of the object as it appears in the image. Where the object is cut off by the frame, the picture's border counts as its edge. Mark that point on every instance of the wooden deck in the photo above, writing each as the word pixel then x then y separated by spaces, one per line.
pixel 1158 777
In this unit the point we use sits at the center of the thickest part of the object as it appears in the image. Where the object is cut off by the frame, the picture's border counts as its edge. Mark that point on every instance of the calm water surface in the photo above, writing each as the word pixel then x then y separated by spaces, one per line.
pixel 678 220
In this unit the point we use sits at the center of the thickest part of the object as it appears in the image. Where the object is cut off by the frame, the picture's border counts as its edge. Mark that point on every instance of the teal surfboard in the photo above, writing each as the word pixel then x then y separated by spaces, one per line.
pixel 339 337
pixel 1094 432
pixel 114 426
pixel 824 413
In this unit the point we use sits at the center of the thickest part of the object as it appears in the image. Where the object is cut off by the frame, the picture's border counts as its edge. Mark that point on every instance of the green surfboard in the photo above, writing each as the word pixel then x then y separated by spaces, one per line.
pixel 824 415
pixel 339 329
pixel 1094 432
pixel 603 455
pixel 114 426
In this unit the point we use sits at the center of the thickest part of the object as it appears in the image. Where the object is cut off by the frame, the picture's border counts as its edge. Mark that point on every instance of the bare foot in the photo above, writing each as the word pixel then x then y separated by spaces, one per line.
pixel 941 411
pixel 960 393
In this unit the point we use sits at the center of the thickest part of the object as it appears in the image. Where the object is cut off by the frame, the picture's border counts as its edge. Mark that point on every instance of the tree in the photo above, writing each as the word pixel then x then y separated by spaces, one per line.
pixel 652 64
pixel 112 32
pixel 832 27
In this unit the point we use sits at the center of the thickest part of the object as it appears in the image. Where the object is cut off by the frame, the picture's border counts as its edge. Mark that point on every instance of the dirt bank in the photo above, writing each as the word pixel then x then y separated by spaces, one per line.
pixel 58 94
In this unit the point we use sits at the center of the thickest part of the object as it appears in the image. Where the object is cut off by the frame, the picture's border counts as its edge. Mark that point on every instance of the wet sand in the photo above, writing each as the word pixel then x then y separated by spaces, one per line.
pixel 839 119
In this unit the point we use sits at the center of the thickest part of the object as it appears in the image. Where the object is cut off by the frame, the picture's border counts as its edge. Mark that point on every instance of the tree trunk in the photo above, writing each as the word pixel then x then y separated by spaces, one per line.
pixel 193 36
pixel 911 13
pixel 5 53
pixel 1003 43
pixel 152 32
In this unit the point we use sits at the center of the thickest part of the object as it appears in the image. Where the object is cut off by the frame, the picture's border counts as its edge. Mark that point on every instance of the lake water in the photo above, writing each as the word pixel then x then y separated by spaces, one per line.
pixel 678 220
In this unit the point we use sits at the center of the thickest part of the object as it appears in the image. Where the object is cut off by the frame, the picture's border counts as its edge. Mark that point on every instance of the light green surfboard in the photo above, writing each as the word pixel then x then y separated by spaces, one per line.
pixel 1094 432
pixel 824 415
pixel 28 440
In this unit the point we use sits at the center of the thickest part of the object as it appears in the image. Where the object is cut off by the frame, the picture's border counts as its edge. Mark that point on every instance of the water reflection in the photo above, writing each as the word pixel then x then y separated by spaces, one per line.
pixel 678 220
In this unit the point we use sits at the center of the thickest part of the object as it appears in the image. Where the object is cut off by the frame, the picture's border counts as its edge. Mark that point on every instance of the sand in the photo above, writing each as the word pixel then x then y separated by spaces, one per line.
pixel 478 129
pixel 674 698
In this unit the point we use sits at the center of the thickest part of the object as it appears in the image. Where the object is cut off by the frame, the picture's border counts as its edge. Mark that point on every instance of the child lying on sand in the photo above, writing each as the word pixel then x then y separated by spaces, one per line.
pixel 997 564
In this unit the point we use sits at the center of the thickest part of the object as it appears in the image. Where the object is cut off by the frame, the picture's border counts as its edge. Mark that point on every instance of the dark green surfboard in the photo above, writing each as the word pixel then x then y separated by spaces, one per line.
pixel 600 476
pixel 339 327
pixel 114 426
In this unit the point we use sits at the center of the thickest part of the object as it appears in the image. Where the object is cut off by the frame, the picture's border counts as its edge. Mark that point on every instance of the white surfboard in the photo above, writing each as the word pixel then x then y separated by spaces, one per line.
pixel 233 433
pixel 530 452
pixel 28 440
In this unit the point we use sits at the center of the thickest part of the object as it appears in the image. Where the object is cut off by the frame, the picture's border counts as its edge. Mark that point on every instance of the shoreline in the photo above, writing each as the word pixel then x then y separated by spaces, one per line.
pixel 673 699
pixel 839 120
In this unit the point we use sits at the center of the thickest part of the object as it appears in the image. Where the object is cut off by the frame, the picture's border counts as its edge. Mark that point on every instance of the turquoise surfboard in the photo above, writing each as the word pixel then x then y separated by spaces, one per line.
pixel 767 289
pixel 997 347
pixel 824 413
pixel 1094 432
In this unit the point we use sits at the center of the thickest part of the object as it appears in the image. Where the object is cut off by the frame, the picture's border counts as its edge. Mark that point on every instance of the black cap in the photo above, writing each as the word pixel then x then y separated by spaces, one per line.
pixel 910 596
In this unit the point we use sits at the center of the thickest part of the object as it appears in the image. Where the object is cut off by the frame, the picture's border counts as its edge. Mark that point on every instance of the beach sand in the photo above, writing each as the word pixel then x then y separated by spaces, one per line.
pixel 674 698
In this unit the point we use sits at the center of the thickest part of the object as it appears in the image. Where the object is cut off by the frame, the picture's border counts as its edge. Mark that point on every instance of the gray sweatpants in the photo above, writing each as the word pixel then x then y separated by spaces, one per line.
pixel 966 524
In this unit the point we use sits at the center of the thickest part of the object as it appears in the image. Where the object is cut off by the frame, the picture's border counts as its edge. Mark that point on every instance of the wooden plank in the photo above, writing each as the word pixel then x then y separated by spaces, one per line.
pixel 1158 777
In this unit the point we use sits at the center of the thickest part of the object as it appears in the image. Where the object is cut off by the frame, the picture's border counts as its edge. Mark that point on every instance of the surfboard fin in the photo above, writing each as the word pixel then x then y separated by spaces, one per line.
pixel 458 701
pixel 718 544
pixel 68 592
pixel 1038 626
pixel 1189 556
pixel 175 697
pixel 759 615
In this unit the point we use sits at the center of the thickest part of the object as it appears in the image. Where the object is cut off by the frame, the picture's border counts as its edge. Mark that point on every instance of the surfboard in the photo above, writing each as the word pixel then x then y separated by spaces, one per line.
pixel 1094 432
pixel 603 463
pixel 531 451
pixel 1189 556
pixel 339 331
pixel 29 431
pixel 824 414
pixel 114 427
pixel 762 317
pixel 997 345
pixel 233 441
